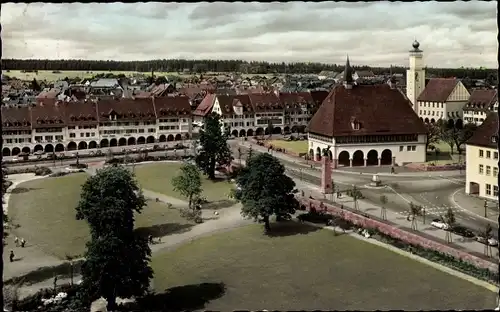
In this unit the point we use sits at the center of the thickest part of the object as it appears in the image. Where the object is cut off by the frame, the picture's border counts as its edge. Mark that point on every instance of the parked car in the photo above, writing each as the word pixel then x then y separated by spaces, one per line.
pixel 490 241
pixel 462 231
pixel 439 224
pixel 179 146
pixel 39 153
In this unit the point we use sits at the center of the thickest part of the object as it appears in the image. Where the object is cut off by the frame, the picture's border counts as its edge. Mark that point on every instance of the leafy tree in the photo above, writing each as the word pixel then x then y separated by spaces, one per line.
pixel 240 152
pixel 448 135
pixel 117 258
pixel 188 182
pixel 35 86
pixel 462 135
pixel 266 190
pixel 250 154
pixel 433 135
pixel 270 127
pixel 214 148
pixel 383 201
pixel 449 219
pixel 415 210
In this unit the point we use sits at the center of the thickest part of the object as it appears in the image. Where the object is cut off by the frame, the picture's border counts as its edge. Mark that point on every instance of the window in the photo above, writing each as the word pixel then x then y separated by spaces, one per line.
pixel 401 148
pixel 72 135
pixel 481 169
pixel 488 154
pixel 488 170
pixel 413 148
pixel 495 171
pixel 481 153
pixel 82 135
pixel 495 190
pixel 495 155
pixel 494 139
pixel 488 189
pixel 408 148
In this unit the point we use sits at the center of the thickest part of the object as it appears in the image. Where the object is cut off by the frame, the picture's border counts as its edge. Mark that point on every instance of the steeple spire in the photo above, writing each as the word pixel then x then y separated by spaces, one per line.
pixel 348 80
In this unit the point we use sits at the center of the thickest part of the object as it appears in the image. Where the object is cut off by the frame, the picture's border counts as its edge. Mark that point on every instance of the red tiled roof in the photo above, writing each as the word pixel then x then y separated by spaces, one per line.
pixel 485 132
pixel 482 98
pixel 48 116
pixel 81 113
pixel 292 101
pixel 265 102
pixel 378 108
pixel 50 94
pixel 16 118
pixel 205 106
pixel 126 109
pixel 319 97
pixel 437 90
pixel 171 106
pixel 227 103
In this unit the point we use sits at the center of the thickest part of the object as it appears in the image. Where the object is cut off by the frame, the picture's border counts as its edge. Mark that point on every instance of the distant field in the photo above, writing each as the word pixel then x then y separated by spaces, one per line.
pixel 50 76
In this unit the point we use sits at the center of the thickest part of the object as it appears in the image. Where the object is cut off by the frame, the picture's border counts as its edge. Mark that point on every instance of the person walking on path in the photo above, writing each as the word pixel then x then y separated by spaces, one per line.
pixel 11 256
pixel 16 241
pixel 23 242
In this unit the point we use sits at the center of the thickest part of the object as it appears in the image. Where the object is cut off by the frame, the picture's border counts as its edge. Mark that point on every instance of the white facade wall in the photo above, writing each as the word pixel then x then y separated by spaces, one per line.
pixel 415 78
pixel 481 172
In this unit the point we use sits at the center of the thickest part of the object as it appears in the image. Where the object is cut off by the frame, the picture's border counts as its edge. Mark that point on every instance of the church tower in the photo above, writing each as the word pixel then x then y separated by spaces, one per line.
pixel 415 75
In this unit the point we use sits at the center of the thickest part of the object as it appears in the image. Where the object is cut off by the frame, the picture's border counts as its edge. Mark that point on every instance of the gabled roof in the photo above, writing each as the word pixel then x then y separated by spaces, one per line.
pixel 485 132
pixel 438 90
pixel 171 106
pixel 228 102
pixel 16 118
pixel 378 108
pixel 484 98
pixel 205 106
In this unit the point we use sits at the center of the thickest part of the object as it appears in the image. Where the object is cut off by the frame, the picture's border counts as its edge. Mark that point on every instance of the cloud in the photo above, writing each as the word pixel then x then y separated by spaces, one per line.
pixel 372 33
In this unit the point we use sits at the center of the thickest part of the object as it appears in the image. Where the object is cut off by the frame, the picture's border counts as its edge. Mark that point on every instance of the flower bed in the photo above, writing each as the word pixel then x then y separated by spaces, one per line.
pixel 402 235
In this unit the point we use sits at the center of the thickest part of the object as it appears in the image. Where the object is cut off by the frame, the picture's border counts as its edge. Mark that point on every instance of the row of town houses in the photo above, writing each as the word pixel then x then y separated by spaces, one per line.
pixel 101 123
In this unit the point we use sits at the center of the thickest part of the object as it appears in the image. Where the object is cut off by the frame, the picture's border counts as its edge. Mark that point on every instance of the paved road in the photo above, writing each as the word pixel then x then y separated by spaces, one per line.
pixel 432 190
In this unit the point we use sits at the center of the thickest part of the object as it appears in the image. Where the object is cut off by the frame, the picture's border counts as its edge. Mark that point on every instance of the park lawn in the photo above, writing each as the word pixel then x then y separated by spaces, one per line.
pixel 293 146
pixel 314 270
pixel 445 156
pixel 45 211
pixel 157 177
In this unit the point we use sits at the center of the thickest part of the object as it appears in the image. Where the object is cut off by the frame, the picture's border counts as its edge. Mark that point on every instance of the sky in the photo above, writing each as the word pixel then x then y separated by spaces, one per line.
pixel 452 34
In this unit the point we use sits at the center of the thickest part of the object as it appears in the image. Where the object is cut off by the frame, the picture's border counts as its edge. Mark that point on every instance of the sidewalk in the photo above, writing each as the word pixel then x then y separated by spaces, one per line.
pixel 381 171
pixel 398 220
pixel 475 205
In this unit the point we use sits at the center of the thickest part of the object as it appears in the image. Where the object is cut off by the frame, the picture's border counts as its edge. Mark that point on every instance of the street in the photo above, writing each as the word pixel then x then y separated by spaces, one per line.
pixel 432 190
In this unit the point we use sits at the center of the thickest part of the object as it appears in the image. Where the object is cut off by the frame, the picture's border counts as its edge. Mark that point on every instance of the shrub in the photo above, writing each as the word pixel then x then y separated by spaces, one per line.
pixel 79 166
pixel 114 161
pixel 33 302
pixel 58 174
pixel 191 214
pixel 352 193
pixel 42 171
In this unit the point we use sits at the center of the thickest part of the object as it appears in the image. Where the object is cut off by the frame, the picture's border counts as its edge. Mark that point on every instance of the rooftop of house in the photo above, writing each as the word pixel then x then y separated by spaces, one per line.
pixel 486 134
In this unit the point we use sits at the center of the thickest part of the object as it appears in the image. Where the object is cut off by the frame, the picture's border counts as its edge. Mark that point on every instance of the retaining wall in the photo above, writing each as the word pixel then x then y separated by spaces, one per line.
pixel 405 236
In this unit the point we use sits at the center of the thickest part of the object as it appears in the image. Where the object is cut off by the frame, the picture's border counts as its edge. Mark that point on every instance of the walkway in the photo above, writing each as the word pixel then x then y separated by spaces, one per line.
pixel 32 258
pixel 399 220
pixel 475 205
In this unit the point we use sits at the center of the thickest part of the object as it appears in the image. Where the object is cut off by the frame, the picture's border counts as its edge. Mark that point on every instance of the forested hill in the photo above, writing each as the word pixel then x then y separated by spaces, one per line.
pixel 200 66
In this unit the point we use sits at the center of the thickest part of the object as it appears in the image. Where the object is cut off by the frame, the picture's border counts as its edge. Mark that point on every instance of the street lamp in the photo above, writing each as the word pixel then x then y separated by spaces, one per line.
pixel 485 208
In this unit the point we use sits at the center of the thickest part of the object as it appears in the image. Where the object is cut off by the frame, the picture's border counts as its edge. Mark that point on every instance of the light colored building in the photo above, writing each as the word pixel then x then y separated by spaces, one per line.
pixel 366 125
pixel 482 160
pixel 250 114
pixel 480 104
pixel 67 126
pixel 415 75
pixel 442 98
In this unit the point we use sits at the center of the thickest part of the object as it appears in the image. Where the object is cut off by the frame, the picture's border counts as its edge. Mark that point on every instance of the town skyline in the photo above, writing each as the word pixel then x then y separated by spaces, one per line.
pixel 462 34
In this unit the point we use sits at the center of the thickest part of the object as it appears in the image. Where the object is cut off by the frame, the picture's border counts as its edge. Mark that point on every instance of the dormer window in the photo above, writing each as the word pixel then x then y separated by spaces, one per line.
pixel 356 125
pixel 494 139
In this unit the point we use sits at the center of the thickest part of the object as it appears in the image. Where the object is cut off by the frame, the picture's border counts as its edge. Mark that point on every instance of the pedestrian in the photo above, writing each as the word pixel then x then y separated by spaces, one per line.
pixel 23 242
pixel 392 169
pixel 11 256
pixel 16 241
pixel 150 239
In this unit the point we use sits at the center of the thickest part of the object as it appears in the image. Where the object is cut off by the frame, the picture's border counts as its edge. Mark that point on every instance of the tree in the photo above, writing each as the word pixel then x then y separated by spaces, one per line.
pixel 240 152
pixel 448 135
pixel 266 190
pixel 270 128
pixel 188 182
pixel 449 219
pixel 35 86
pixel 383 201
pixel 355 194
pixel 415 210
pixel 250 154
pixel 117 258
pixel 462 135
pixel 433 135
pixel 214 148
pixel 486 233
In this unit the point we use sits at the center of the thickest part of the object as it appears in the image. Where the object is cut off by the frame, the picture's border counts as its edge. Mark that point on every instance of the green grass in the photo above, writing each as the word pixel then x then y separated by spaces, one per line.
pixel 45 211
pixel 50 76
pixel 445 156
pixel 312 270
pixel 157 177
pixel 294 146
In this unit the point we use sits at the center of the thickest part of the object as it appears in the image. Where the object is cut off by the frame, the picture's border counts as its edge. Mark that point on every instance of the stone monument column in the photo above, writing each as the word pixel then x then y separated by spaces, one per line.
pixel 326 175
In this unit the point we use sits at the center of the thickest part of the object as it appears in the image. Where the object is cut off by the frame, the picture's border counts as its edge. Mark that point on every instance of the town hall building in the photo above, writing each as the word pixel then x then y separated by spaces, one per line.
pixel 366 125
